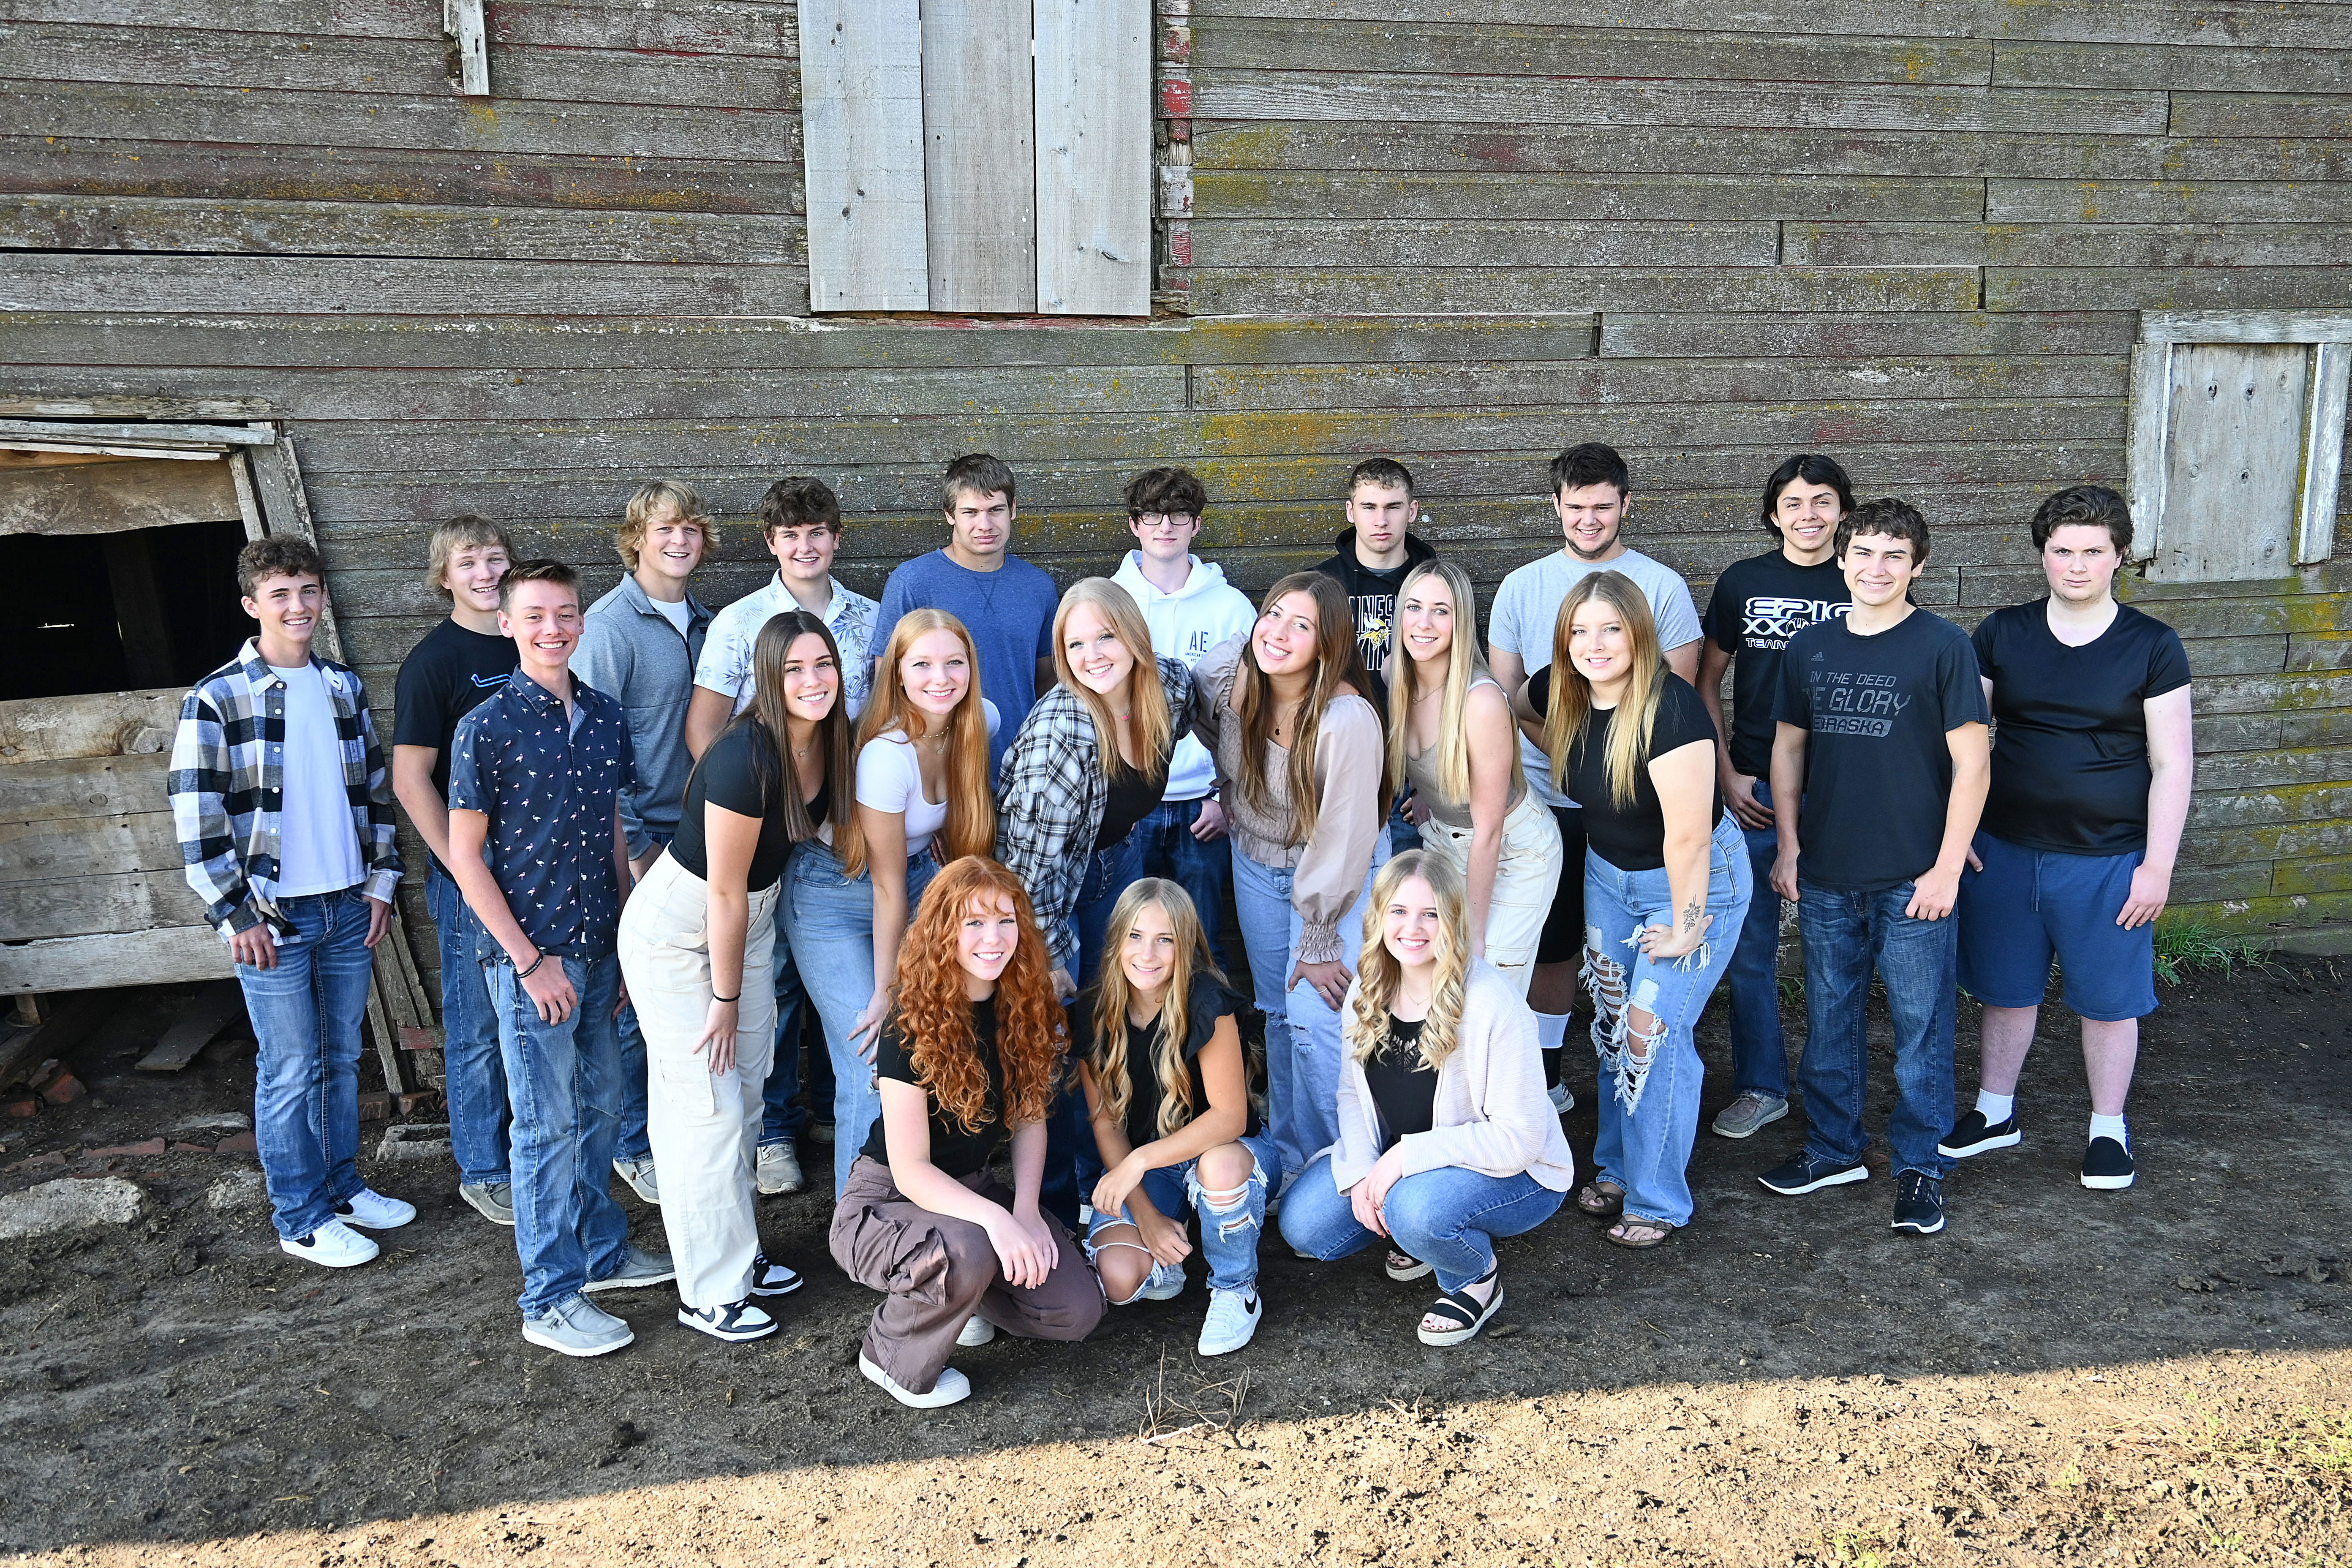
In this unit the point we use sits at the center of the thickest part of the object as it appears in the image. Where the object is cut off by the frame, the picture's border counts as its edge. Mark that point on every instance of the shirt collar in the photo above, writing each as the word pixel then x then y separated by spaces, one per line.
pixel 258 673
pixel 538 698
pixel 833 607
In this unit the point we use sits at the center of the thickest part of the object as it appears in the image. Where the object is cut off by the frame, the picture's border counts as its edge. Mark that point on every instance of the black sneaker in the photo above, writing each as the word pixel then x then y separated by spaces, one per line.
pixel 772 1278
pixel 1810 1173
pixel 1918 1203
pixel 1975 1135
pixel 735 1322
pixel 2108 1166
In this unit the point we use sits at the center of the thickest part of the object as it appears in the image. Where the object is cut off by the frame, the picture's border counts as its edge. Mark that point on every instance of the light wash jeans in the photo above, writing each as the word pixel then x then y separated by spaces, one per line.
pixel 565 1082
pixel 1759 1051
pixel 1448 1218
pixel 1302 1034
pixel 1847 935
pixel 306 1013
pixel 782 1116
pixel 1228 1236
pixel 1649 1109
pixel 827 918
pixel 474 1079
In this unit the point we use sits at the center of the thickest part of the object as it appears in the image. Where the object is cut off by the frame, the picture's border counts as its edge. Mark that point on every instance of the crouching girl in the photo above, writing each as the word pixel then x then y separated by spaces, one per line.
pixel 1160 1054
pixel 1447 1139
pixel 968 1058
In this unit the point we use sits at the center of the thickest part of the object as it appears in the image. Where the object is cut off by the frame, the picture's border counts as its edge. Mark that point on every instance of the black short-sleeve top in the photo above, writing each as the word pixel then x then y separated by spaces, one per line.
pixel 956 1150
pixel 1404 1088
pixel 1206 1002
pixel 728 777
pixel 1632 837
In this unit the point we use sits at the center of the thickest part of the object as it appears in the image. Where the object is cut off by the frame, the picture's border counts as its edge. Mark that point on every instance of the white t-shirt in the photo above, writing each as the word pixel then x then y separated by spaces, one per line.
pixel 679 615
pixel 1526 615
pixel 889 778
pixel 318 848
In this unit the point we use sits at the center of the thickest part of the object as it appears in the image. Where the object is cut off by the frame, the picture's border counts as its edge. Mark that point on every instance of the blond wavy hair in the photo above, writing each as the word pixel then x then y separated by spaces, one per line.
pixel 1147 701
pixel 1377 975
pixel 1114 995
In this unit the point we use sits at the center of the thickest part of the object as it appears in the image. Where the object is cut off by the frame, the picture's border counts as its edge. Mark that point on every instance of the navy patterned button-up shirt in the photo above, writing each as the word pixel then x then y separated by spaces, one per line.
pixel 549 791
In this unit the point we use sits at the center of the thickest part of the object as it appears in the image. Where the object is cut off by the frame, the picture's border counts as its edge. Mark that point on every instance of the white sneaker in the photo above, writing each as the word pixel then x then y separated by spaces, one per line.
pixel 639 1174
pixel 778 1170
pixel 373 1211
pixel 1164 1283
pixel 976 1331
pixel 1563 1100
pixel 735 1322
pixel 333 1245
pixel 951 1387
pixel 1232 1321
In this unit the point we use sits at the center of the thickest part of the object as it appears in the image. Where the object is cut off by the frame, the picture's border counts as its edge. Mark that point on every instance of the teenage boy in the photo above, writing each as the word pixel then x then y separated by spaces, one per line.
pixel 1372 556
pixel 540 848
pixel 1005 604
pixel 1591 491
pixel 444 676
pixel 283 809
pixel 1191 608
pixel 1758 605
pixel 800 519
pixel 639 646
pixel 2092 766
pixel 1879 766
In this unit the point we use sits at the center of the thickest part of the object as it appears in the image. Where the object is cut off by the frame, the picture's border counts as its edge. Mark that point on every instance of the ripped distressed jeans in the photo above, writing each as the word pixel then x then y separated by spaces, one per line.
pixel 1650 1079
pixel 1229 1230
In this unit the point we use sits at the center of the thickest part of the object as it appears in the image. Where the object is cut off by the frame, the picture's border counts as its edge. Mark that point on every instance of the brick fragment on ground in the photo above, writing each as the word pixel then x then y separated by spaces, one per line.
pixel 63 1089
pixel 69 1204
pixel 236 1144
pixel 20 1105
pixel 125 1150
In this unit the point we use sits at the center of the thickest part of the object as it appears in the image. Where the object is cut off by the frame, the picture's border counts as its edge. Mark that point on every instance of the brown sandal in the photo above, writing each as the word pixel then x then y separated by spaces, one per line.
pixel 1601 1199
pixel 1637 1234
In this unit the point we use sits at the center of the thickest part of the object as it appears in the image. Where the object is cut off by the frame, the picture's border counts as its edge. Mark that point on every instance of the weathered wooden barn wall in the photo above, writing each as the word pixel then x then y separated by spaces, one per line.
pixel 1912 233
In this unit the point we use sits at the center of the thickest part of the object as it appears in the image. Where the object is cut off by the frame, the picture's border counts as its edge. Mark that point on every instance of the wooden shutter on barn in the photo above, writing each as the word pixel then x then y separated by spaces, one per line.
pixel 978 156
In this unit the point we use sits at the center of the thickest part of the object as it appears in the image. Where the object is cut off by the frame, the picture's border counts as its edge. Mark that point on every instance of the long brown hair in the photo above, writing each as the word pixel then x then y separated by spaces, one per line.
pixel 1463 665
pixel 781 793
pixel 971 810
pixel 1337 664
pixel 1147 701
pixel 1378 972
pixel 933 1014
pixel 1572 693
pixel 1113 995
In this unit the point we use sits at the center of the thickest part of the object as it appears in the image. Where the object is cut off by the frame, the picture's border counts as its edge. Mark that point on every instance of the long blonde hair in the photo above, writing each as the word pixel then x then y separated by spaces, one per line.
pixel 1463 665
pixel 971 810
pixel 1572 693
pixel 1113 995
pixel 1147 701
pixel 1377 973
pixel 1338 662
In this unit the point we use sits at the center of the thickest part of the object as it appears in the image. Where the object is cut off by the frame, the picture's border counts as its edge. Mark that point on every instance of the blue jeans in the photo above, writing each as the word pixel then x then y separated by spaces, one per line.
pixel 1448 1217
pixel 1649 1099
pixel 565 1081
pixel 632 1142
pixel 1759 1051
pixel 1302 1034
pixel 827 918
pixel 1204 870
pixel 306 1013
pixel 782 1120
pixel 1403 834
pixel 1847 935
pixel 473 1080
pixel 1228 1236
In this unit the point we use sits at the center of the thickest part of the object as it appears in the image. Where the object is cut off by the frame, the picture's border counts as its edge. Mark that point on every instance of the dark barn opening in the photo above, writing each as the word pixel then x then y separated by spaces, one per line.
pixel 132 610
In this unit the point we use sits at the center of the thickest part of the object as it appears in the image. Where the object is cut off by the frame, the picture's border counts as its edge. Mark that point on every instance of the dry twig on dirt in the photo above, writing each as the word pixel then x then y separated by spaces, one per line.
pixel 1214 1407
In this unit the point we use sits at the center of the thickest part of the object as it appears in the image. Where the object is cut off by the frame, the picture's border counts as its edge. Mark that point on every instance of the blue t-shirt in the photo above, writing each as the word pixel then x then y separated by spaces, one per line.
pixel 1009 614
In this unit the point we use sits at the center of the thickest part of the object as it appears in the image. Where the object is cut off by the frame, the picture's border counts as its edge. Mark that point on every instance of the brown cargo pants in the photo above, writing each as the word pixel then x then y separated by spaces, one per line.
pixel 937 1272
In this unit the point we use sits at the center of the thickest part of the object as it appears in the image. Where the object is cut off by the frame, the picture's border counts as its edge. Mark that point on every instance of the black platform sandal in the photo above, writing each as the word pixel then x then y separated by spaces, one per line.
pixel 1465 1311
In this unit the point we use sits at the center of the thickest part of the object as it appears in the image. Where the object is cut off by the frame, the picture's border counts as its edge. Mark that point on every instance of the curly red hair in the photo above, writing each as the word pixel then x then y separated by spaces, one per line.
pixel 934 1014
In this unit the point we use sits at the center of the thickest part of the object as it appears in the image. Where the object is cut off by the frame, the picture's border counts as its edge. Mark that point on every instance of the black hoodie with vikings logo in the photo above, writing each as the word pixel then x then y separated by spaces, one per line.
pixel 1372 596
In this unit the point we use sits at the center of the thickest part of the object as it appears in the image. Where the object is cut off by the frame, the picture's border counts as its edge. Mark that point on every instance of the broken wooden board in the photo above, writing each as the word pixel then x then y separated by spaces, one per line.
pixel 207 1015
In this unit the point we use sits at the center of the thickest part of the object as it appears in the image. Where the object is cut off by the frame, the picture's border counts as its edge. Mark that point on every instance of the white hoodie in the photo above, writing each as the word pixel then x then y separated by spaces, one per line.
pixel 1186 625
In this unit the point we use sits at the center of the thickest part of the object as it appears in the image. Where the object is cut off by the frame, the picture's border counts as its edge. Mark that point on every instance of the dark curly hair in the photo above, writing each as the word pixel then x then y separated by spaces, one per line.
pixel 934 1016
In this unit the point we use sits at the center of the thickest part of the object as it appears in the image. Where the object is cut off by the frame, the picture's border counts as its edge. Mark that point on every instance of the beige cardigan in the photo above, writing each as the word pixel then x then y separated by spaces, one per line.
pixel 1491 1114
pixel 1330 867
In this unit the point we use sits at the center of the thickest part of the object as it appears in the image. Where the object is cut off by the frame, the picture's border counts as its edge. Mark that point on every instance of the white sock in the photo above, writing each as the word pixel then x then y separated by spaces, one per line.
pixel 2110 1127
pixel 1995 1108
pixel 1551 1030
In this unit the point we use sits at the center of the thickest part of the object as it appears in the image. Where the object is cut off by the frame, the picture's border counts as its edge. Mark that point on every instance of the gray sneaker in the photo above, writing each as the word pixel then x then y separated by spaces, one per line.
pixel 639 1174
pixel 577 1326
pixel 1748 1112
pixel 638 1267
pixel 494 1201
pixel 779 1170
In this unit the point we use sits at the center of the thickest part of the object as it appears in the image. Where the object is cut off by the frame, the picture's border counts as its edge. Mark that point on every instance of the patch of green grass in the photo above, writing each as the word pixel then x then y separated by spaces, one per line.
pixel 2188 945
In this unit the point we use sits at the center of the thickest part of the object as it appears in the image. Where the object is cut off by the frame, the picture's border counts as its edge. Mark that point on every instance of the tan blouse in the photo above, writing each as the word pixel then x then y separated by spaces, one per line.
pixel 1329 869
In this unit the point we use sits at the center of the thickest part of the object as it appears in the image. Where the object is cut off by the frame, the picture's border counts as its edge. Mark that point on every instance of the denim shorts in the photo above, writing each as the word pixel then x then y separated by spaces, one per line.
pixel 2027 905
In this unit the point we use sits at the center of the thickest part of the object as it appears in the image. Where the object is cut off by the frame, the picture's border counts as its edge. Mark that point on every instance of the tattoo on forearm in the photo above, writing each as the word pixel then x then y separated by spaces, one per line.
pixel 1691 913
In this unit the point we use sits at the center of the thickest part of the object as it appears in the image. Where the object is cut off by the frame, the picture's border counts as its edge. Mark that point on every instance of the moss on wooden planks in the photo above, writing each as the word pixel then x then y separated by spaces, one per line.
pixel 2319 196
pixel 677 27
pixel 2145 246
pixel 2170 289
pixel 1864 335
pixel 1418 290
pixel 1381 190
pixel 1316 241
pixel 2260 114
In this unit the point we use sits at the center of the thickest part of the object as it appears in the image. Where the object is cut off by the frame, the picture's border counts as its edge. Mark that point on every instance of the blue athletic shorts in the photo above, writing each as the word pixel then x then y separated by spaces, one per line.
pixel 2028 904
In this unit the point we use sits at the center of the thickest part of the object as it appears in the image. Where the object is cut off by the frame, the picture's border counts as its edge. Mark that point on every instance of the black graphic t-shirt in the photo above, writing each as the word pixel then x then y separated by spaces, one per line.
pixel 1758 605
pixel 2069 768
pixel 1878 771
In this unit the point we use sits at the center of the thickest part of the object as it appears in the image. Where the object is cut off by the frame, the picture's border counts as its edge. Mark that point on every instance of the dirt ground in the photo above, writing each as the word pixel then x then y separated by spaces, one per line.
pixel 2161 1375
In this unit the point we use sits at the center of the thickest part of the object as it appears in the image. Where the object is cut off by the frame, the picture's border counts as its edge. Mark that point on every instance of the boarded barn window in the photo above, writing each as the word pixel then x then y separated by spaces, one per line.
pixel 978 156
pixel 2238 441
